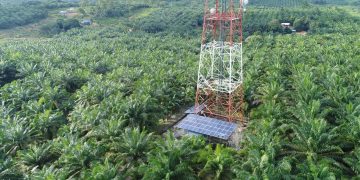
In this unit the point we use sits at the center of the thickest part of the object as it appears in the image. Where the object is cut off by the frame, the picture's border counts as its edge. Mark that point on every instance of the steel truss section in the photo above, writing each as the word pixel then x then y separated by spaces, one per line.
pixel 220 67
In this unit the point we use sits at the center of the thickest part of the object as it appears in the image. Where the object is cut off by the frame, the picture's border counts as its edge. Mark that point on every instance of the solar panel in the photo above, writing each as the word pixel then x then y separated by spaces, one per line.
pixel 208 126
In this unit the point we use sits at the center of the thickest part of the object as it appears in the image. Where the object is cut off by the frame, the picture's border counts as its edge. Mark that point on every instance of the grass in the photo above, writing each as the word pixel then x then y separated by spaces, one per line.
pixel 108 21
pixel 118 21
pixel 31 30
pixel 143 13
pixel 354 11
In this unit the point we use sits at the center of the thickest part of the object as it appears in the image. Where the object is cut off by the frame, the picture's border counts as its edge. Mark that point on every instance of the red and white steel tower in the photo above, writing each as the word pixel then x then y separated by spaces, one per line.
pixel 220 74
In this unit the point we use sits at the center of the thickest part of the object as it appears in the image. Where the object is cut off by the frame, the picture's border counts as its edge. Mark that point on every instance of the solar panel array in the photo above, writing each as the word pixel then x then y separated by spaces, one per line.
pixel 207 126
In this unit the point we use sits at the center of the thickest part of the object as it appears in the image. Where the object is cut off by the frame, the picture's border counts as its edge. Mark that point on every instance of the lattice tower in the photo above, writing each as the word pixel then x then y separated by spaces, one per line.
pixel 220 74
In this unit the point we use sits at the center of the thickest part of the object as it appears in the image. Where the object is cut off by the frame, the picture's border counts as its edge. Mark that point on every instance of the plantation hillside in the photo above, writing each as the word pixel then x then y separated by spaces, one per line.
pixel 293 3
pixel 96 101
pixel 19 13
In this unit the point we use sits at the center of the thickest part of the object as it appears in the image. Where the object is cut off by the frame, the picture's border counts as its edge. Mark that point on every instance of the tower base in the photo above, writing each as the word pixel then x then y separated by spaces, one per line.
pixel 221 105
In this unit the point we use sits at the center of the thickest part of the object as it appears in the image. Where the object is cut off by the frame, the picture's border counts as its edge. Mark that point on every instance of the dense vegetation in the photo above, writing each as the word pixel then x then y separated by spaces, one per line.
pixel 294 3
pixel 313 19
pixel 59 26
pixel 182 20
pixel 259 20
pixel 105 8
pixel 23 13
pixel 337 2
pixel 278 3
pixel 90 103
pixel 308 122
pixel 115 74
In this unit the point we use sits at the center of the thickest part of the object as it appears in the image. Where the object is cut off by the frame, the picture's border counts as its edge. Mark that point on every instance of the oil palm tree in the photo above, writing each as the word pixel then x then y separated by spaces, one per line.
pixel 173 159
pixel 317 170
pixel 48 122
pixel 132 146
pixel 354 161
pixel 315 141
pixel 352 135
pixel 8 169
pixel 108 130
pixel 140 110
pixel 270 92
pixel 78 156
pixel 168 167
pixel 303 84
pixel 218 164
pixel 260 158
pixel 104 170
pixel 263 165
pixel 17 135
pixel 35 157
pixel 47 173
